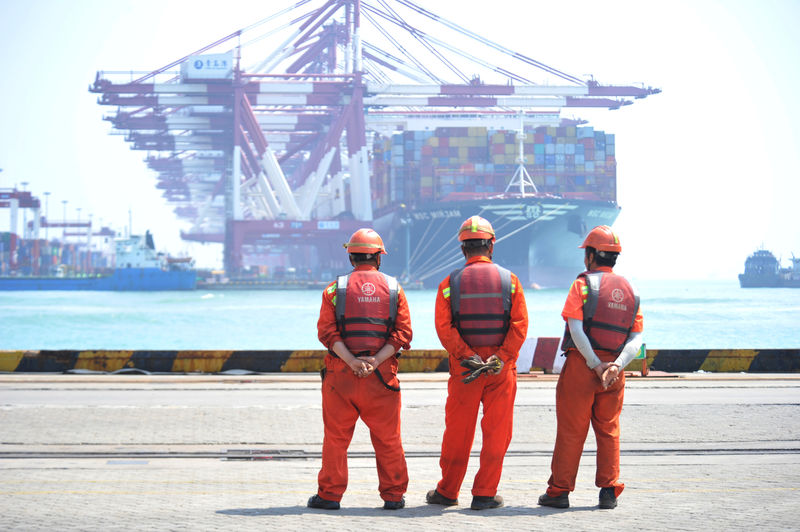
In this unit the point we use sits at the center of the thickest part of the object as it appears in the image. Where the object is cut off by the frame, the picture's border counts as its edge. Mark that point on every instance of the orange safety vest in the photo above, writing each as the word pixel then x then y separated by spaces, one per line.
pixel 480 303
pixel 609 310
pixel 366 310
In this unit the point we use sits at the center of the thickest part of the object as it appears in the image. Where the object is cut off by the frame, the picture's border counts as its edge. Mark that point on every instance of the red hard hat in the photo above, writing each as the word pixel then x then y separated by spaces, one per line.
pixel 365 241
pixel 474 228
pixel 602 238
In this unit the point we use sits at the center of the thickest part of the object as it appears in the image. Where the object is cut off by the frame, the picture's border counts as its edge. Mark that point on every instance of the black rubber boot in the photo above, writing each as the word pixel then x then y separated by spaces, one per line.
pixel 394 505
pixel 608 501
pixel 323 504
pixel 434 497
pixel 486 503
pixel 561 501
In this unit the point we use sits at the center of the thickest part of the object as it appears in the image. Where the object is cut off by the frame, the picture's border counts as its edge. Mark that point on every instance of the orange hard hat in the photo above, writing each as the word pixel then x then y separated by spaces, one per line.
pixel 365 241
pixel 602 238
pixel 474 228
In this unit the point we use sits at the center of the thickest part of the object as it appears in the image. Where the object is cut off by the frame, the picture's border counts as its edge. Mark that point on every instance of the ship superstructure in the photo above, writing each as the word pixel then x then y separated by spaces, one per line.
pixel 280 154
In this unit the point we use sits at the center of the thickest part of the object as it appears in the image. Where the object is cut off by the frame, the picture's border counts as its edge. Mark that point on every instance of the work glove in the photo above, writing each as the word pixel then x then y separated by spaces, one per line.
pixel 496 363
pixel 473 362
pixel 477 367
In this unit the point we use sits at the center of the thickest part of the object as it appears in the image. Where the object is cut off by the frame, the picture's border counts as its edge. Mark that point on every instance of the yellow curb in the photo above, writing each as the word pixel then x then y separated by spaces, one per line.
pixel 729 360
pixel 300 361
pixel 102 360
pixel 203 361
pixel 9 360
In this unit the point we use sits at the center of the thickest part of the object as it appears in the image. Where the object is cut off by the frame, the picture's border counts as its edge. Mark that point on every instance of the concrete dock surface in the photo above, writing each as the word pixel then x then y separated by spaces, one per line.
pixel 242 452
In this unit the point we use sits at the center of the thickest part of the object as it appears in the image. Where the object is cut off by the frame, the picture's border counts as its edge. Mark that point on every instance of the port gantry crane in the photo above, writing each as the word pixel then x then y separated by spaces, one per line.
pixel 276 155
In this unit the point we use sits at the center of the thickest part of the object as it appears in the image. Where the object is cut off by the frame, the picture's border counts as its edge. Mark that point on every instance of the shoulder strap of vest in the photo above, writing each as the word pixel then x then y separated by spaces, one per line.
pixel 593 295
pixel 455 291
pixel 505 284
pixel 635 306
pixel 341 298
pixel 393 290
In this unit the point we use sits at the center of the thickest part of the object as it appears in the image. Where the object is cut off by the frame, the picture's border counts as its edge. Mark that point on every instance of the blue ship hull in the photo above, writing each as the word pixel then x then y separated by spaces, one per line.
pixel 122 279
pixel 538 237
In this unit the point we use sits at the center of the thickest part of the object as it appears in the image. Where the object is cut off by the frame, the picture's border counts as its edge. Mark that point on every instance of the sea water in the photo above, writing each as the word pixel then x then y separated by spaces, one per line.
pixel 677 315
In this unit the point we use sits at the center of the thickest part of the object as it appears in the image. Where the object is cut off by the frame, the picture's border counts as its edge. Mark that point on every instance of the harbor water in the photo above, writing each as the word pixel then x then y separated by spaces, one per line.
pixel 678 314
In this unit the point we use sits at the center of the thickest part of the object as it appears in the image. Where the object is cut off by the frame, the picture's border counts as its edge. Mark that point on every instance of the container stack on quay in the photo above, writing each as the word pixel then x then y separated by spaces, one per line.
pixel 433 165
pixel 40 257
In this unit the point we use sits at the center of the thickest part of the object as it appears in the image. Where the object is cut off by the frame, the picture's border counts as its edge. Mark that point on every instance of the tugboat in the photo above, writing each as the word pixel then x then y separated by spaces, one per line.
pixel 763 270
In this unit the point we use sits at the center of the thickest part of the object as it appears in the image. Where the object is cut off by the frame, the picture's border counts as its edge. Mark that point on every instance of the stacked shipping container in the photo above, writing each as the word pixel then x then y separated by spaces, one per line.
pixel 40 257
pixel 433 165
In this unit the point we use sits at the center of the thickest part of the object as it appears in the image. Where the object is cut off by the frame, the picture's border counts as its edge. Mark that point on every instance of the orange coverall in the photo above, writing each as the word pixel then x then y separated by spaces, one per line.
pixel 496 392
pixel 346 397
pixel 581 400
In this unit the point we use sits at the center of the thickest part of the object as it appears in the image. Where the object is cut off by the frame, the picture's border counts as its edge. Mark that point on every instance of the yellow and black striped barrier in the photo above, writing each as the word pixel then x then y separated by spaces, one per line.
pixel 414 360
pixel 724 360
pixel 195 361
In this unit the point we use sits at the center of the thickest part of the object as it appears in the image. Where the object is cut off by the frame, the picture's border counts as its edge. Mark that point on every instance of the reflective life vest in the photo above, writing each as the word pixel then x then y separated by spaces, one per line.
pixel 366 310
pixel 480 303
pixel 610 306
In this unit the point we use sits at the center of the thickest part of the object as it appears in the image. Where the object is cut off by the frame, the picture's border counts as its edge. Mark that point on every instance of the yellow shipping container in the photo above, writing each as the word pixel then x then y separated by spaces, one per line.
pixel 498 138
pixel 552 131
pixel 511 148
pixel 463 152
pixel 426 181
pixel 476 132
pixel 433 141
pixel 570 131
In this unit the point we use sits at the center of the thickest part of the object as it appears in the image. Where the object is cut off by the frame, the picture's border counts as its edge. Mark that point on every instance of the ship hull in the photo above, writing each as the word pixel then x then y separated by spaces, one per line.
pixel 537 237
pixel 123 279
pixel 767 281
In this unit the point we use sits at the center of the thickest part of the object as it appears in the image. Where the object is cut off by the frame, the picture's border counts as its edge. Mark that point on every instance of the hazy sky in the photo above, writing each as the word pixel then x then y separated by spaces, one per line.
pixel 708 171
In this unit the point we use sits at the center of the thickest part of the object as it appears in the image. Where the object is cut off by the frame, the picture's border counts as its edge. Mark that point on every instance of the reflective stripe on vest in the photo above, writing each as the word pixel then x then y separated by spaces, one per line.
pixel 610 306
pixel 480 303
pixel 366 313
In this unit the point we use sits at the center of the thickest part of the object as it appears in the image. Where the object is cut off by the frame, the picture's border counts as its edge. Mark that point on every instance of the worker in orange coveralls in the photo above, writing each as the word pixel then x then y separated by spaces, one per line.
pixel 364 321
pixel 480 314
pixel 603 334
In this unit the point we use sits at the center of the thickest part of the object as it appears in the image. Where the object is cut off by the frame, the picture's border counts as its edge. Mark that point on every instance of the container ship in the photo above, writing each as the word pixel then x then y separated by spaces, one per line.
pixel 137 267
pixel 541 189
pixel 371 113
